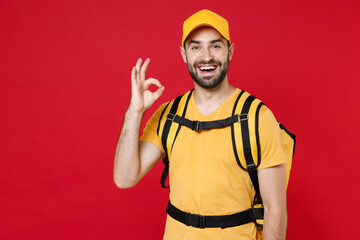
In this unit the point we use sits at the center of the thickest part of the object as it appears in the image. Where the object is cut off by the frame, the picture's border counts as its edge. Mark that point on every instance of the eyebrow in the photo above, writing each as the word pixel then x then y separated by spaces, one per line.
pixel 216 40
pixel 195 42
pixel 212 41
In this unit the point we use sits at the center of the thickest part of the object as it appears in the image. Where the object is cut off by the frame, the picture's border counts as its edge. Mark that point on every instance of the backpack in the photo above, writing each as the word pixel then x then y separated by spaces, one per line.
pixel 244 134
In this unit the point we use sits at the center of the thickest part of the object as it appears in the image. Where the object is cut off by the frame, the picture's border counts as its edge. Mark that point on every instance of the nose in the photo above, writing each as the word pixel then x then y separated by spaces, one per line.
pixel 207 55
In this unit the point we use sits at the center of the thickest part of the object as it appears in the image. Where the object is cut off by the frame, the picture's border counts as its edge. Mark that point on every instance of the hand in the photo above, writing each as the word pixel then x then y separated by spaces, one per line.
pixel 141 97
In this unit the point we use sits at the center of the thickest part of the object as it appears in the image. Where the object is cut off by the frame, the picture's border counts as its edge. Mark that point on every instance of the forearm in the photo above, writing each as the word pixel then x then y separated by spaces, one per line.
pixel 275 223
pixel 127 160
pixel 129 167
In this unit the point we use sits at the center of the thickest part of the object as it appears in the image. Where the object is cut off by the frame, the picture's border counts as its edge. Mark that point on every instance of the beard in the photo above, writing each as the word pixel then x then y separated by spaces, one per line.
pixel 212 81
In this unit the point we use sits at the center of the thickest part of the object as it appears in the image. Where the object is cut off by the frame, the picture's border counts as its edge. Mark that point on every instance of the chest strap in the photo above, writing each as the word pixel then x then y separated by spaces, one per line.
pixel 218 221
pixel 198 125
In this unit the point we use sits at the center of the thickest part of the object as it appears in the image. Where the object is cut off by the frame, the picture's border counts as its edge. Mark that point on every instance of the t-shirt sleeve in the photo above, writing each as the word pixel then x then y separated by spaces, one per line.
pixel 272 151
pixel 150 130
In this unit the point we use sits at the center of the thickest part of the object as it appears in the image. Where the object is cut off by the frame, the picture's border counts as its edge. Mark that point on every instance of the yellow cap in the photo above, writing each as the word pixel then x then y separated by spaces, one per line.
pixel 206 18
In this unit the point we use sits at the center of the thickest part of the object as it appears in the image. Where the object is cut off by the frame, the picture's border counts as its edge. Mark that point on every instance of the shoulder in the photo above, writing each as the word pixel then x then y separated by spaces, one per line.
pixel 264 111
pixel 178 103
pixel 165 107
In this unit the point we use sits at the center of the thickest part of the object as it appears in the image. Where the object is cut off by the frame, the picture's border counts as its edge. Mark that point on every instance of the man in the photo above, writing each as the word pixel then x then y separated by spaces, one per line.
pixel 204 176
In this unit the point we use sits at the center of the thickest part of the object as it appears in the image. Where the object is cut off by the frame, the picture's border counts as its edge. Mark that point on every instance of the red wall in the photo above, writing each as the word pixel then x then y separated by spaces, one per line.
pixel 65 85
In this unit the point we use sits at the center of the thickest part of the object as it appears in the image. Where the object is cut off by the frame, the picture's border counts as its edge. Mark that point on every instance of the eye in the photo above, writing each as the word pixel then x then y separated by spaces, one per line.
pixel 216 46
pixel 195 48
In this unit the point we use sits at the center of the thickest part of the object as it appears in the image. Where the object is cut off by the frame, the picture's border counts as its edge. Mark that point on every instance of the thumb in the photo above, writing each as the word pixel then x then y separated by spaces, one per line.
pixel 158 92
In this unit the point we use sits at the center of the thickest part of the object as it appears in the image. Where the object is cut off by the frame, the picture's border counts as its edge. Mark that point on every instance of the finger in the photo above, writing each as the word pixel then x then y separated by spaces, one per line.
pixel 153 81
pixel 144 68
pixel 133 76
pixel 158 92
pixel 138 65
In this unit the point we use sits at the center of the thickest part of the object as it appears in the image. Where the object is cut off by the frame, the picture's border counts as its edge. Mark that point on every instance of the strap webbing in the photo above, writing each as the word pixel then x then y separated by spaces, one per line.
pixel 233 131
pixel 222 221
pixel 165 135
pixel 245 135
pixel 183 115
pixel 198 125
pixel 257 131
pixel 167 125
pixel 250 165
pixel 165 172
pixel 161 116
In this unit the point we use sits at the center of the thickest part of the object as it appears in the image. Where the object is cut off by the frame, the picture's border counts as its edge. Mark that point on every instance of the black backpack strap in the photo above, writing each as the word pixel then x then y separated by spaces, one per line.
pixel 183 116
pixel 198 125
pixel 256 182
pixel 161 116
pixel 165 159
pixel 251 167
pixel 213 221
pixel 165 134
pixel 164 137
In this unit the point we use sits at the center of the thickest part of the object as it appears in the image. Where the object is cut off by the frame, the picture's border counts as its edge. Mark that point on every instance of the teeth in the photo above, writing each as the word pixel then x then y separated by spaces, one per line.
pixel 207 68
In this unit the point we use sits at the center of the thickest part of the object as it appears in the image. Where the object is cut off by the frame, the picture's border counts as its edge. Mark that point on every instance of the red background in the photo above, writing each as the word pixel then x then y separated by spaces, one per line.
pixel 65 85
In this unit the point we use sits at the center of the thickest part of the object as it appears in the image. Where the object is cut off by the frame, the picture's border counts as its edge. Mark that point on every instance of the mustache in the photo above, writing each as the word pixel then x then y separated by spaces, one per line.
pixel 202 62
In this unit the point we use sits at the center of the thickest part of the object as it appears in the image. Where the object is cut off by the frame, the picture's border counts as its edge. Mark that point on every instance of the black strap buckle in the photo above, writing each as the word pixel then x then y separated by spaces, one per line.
pixel 195 220
pixel 171 117
pixel 256 215
pixel 215 221
pixel 251 167
pixel 195 125
pixel 252 215
pixel 242 117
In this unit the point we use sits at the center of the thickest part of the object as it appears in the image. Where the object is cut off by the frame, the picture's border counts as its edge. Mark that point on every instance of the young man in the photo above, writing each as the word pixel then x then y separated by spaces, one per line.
pixel 205 179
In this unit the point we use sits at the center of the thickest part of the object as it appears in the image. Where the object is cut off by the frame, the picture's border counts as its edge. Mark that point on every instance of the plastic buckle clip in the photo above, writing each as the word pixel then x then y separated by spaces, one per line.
pixel 242 117
pixel 201 221
pixel 171 117
pixel 252 215
pixel 195 220
pixel 195 125
pixel 255 217
pixel 251 167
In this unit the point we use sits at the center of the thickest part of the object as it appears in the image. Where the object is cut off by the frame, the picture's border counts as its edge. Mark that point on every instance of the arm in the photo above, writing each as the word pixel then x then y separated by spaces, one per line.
pixel 133 160
pixel 272 184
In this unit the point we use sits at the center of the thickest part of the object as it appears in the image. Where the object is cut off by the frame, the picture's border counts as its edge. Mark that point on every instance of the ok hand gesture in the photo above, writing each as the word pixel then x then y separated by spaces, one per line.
pixel 141 97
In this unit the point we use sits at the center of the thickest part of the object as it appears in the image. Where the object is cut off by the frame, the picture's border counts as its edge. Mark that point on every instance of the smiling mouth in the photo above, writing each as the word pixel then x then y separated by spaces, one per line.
pixel 207 68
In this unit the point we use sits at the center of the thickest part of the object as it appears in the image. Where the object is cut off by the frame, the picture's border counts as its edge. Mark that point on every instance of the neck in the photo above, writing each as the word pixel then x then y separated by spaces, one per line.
pixel 208 100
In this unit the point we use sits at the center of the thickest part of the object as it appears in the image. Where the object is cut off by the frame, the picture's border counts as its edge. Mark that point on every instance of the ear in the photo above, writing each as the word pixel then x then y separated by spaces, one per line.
pixel 183 54
pixel 231 51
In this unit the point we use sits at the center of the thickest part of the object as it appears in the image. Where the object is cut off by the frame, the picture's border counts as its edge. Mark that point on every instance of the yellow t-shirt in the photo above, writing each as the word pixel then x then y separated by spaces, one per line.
pixel 204 176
